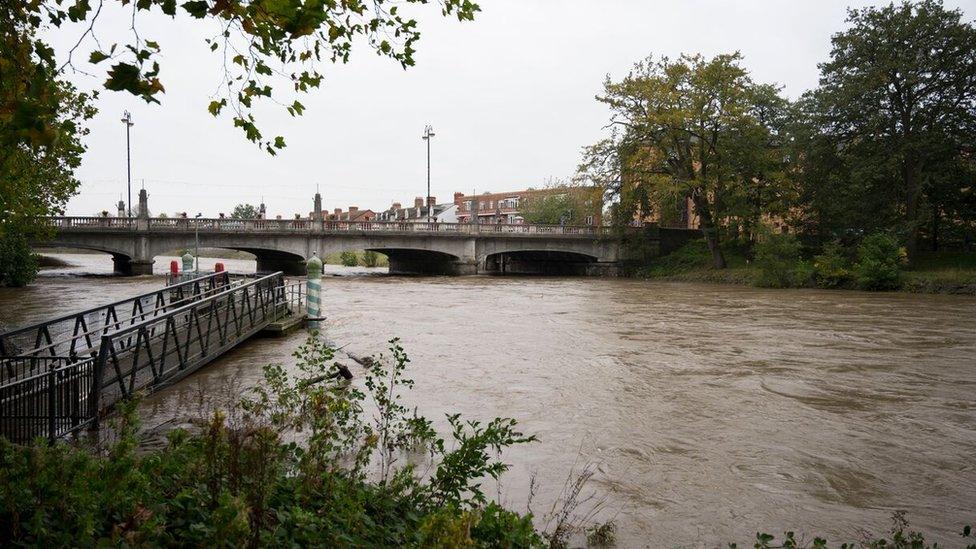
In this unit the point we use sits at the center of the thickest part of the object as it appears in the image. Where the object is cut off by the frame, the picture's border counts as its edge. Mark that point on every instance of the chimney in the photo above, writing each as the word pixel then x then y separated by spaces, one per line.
pixel 431 201
pixel 418 202
pixel 397 206
pixel 458 197
pixel 337 212
pixel 353 209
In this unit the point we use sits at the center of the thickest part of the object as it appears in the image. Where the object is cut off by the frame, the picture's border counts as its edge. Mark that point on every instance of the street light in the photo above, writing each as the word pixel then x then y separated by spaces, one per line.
pixel 196 238
pixel 428 133
pixel 127 120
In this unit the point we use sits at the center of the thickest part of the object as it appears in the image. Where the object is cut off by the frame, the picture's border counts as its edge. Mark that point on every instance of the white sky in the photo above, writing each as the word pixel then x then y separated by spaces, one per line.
pixel 510 97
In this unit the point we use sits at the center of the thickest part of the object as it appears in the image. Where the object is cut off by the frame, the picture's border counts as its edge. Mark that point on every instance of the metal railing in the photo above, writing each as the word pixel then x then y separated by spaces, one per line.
pixel 167 347
pixel 53 402
pixel 78 334
pixel 193 323
pixel 222 225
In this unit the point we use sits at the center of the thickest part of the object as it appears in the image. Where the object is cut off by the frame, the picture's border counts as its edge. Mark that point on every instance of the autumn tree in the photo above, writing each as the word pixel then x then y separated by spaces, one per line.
pixel 691 127
pixel 896 110
pixel 41 131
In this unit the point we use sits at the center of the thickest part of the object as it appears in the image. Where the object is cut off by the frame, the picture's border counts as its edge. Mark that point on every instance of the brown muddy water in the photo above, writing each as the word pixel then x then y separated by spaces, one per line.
pixel 707 412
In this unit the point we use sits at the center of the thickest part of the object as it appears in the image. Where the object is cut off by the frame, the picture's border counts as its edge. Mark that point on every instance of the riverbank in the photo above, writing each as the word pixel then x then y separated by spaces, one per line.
pixel 952 273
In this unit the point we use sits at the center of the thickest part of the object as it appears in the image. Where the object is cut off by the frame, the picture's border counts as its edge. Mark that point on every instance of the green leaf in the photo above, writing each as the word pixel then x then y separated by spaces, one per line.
pixel 196 8
pixel 97 57
pixel 169 7
pixel 279 142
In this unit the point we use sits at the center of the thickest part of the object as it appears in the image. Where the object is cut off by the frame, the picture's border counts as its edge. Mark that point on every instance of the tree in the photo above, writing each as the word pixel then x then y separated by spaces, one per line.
pixel 260 43
pixel 244 211
pixel 692 128
pixel 898 101
pixel 41 128
pixel 564 203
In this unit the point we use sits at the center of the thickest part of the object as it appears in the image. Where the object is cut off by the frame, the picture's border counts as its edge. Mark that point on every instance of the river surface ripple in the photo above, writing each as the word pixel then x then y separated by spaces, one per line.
pixel 708 412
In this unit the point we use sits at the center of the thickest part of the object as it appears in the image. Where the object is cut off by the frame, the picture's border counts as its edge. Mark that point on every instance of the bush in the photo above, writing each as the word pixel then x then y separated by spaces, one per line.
pixel 693 255
pixel 349 259
pixel 18 262
pixel 831 269
pixel 780 263
pixel 879 263
pixel 246 482
pixel 370 258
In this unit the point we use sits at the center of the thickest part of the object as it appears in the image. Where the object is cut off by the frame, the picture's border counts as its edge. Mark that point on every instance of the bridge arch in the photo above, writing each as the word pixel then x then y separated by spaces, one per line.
pixel 538 262
pixel 121 260
pixel 419 261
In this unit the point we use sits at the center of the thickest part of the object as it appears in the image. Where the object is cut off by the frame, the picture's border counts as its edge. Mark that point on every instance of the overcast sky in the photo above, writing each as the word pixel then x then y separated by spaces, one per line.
pixel 510 97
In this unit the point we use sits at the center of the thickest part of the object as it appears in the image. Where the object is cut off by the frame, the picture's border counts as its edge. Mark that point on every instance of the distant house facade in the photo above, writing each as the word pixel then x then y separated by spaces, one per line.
pixel 352 214
pixel 441 213
pixel 508 207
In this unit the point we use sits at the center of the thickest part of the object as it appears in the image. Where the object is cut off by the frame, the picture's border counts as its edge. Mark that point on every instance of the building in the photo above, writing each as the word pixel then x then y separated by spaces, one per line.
pixel 353 214
pixel 441 213
pixel 509 207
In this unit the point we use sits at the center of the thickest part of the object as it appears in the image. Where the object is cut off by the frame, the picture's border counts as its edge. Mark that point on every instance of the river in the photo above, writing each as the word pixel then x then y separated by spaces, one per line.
pixel 707 412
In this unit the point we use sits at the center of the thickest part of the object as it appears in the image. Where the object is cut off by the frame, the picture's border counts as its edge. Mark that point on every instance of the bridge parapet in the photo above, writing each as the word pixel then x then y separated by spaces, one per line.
pixel 308 226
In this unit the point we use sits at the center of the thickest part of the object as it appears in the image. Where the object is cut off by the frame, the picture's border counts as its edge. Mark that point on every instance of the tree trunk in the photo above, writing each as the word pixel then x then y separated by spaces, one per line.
pixel 914 193
pixel 935 228
pixel 709 230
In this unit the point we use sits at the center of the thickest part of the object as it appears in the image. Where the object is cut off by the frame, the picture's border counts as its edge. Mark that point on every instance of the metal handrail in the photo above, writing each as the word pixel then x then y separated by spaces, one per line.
pixel 194 304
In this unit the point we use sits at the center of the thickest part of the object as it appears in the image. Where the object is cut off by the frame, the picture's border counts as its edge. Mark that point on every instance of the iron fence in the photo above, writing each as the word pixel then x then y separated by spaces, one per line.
pixel 52 401
pixel 78 334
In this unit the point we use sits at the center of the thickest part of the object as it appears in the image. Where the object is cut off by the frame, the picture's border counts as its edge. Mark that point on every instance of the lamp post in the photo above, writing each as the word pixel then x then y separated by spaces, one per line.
pixel 428 133
pixel 196 239
pixel 127 120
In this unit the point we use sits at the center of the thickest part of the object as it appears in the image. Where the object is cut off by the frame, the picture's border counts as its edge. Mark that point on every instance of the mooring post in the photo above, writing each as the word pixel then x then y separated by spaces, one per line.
pixel 313 291
pixel 187 263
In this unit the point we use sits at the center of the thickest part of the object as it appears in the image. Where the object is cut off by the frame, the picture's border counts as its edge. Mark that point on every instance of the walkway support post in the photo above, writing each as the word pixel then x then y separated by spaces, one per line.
pixel 313 291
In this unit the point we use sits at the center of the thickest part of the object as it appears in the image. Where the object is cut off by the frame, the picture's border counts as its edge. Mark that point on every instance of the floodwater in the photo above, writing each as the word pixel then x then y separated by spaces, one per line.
pixel 707 413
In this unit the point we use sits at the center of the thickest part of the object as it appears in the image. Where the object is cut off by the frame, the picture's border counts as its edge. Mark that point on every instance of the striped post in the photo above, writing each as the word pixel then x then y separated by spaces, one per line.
pixel 313 294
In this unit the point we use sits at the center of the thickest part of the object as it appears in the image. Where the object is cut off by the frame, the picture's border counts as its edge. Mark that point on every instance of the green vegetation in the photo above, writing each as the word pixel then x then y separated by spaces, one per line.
pixel 354 258
pixel 349 259
pixel 267 40
pixel 780 263
pixel 241 480
pixel 877 263
pixel 563 204
pixel 882 145
pixel 370 258
pixel 245 211
pixel 41 131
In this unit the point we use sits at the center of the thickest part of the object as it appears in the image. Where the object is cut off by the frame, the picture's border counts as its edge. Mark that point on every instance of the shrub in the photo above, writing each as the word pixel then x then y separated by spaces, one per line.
pixel 370 258
pixel 879 263
pixel 349 259
pixel 18 262
pixel 831 269
pixel 247 482
pixel 693 255
pixel 780 263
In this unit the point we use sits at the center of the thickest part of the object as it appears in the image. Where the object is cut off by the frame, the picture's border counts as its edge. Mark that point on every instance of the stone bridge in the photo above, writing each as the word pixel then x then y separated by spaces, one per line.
pixel 412 248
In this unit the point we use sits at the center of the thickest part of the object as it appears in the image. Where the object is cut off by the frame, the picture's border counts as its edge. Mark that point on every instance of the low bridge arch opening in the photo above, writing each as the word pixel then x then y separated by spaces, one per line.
pixel 539 262
pixel 412 261
pixel 122 262
pixel 269 261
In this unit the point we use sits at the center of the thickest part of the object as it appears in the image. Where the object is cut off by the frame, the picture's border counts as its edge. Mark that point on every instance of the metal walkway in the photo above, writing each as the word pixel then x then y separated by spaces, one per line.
pixel 57 376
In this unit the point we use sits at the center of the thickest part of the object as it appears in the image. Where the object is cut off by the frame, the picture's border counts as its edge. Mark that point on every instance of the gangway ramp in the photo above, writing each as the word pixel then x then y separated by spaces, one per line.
pixel 57 377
